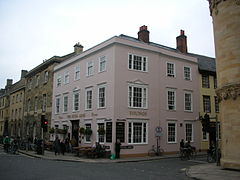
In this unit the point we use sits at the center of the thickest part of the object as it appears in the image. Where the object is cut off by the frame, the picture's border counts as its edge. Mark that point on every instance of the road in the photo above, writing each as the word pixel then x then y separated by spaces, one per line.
pixel 20 167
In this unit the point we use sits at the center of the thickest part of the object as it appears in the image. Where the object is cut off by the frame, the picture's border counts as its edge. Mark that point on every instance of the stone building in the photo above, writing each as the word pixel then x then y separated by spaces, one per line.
pixel 208 101
pixel 226 24
pixel 38 94
pixel 4 108
pixel 16 107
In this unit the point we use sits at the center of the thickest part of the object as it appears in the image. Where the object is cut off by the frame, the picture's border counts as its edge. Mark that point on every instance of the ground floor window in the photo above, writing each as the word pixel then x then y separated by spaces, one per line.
pixel 171 138
pixel 101 136
pixel 189 132
pixel 137 132
pixel 88 136
pixel 120 131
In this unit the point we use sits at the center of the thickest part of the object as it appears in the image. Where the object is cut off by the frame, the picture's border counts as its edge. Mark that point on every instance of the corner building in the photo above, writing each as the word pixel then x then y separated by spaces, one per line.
pixel 128 86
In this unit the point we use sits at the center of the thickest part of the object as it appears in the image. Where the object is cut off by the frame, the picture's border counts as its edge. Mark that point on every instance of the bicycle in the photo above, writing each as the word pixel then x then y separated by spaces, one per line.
pixel 188 153
pixel 155 151
pixel 211 155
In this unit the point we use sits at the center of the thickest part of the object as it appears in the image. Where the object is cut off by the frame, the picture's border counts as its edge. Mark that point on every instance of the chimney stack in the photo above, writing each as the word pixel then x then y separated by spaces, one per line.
pixel 78 48
pixel 182 42
pixel 143 34
pixel 9 83
pixel 23 73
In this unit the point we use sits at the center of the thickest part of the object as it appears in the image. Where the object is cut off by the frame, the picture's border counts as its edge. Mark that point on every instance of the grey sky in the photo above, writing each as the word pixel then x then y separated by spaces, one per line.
pixel 34 30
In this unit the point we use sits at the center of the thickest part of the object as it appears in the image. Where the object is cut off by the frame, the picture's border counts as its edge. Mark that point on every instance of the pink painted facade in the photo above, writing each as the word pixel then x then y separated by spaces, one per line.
pixel 134 88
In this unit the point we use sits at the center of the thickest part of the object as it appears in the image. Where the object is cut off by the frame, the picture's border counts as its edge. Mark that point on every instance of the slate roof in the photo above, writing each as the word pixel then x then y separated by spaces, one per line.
pixel 205 63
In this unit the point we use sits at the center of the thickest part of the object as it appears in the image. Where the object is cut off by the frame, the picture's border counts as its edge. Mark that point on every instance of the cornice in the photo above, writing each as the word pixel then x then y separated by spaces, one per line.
pixel 214 3
pixel 228 92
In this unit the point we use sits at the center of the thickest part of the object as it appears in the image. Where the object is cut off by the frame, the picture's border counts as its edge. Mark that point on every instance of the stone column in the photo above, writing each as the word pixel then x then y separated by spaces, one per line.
pixel 226 24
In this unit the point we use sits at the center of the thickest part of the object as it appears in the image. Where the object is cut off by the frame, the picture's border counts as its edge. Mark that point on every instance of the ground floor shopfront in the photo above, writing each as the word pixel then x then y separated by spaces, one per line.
pixel 137 132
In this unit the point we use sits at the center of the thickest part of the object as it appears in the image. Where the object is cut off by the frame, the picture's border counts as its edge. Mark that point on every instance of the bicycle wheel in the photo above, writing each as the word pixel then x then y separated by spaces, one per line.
pixel 160 153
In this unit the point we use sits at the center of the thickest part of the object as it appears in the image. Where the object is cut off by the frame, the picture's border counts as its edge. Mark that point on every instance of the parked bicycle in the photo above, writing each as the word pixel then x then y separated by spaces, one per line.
pixel 188 153
pixel 212 156
pixel 155 151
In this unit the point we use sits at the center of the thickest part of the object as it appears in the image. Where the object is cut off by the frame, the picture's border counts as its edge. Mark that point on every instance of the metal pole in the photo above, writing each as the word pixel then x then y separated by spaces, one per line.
pixel 217 133
pixel 42 143
pixel 157 145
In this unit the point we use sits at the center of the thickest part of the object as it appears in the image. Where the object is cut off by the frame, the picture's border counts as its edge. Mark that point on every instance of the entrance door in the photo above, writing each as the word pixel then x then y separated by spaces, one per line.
pixel 120 131
pixel 75 130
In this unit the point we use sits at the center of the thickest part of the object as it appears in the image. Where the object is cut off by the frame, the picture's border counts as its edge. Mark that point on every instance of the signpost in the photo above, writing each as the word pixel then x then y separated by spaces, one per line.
pixel 158 133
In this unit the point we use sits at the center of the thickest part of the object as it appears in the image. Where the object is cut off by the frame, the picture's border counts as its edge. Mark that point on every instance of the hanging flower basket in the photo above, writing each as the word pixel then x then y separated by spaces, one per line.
pixel 88 131
pixel 101 131
pixel 82 131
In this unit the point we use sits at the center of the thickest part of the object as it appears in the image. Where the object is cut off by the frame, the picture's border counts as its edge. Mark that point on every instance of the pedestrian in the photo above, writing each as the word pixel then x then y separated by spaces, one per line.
pixel 117 148
pixel 6 142
pixel 62 147
pixel 181 144
pixel 56 145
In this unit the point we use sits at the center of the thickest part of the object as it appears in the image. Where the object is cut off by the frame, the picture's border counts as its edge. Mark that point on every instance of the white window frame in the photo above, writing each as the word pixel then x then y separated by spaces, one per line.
pixel 207 104
pixel 66 78
pixel 46 76
pixel 89 68
pixel 104 98
pixel 143 63
pixel 175 132
pixel 102 64
pixel 59 80
pixel 187 78
pixel 191 103
pixel 170 74
pixel 87 101
pixel 77 73
pixel 78 102
pixel 65 104
pixel 186 131
pixel 174 105
pixel 103 137
pixel 144 99
pixel 130 131
pixel 85 138
pixel 44 105
pixel 57 104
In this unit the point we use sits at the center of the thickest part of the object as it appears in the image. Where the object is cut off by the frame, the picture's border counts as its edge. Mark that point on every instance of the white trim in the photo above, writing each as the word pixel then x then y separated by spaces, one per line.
pixel 191 93
pixel 75 71
pixel 190 71
pixel 172 122
pixel 132 69
pixel 99 63
pixel 86 103
pixel 132 85
pixel 65 95
pixel 73 101
pixel 174 69
pixel 175 99
pixel 137 121
pixel 101 86
pixel 192 133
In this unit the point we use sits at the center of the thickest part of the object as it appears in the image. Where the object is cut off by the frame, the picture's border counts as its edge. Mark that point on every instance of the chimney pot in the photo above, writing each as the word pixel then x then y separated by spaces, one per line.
pixel 78 48
pixel 23 73
pixel 143 34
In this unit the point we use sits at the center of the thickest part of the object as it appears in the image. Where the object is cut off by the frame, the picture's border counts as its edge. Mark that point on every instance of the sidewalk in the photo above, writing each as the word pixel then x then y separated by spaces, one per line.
pixel 73 158
pixel 211 171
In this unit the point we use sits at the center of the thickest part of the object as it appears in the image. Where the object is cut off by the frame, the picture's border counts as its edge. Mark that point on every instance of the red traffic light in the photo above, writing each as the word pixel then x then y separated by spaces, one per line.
pixel 45 122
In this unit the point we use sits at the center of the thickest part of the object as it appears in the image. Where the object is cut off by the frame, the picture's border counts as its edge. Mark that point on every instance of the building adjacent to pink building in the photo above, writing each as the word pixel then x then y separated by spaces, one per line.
pixel 129 87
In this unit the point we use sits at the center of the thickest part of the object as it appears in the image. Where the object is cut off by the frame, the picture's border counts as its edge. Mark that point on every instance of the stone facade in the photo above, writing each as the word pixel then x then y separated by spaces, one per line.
pixel 16 108
pixel 225 14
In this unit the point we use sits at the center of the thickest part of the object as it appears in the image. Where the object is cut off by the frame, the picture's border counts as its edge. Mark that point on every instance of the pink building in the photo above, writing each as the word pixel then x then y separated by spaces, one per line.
pixel 129 87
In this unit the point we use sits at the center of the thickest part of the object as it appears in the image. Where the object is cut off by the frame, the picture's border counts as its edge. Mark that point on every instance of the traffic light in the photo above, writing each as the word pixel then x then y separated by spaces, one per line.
pixel 44 123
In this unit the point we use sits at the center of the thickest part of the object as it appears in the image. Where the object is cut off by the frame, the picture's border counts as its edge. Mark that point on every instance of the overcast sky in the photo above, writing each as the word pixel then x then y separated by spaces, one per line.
pixel 34 30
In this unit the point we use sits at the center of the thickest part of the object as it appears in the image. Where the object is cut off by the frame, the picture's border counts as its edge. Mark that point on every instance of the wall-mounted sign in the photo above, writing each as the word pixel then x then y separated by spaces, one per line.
pixel 137 113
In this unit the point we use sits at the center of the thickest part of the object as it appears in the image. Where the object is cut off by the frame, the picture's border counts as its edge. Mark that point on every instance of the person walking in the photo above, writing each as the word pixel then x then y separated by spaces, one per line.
pixel 117 148
pixel 56 145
